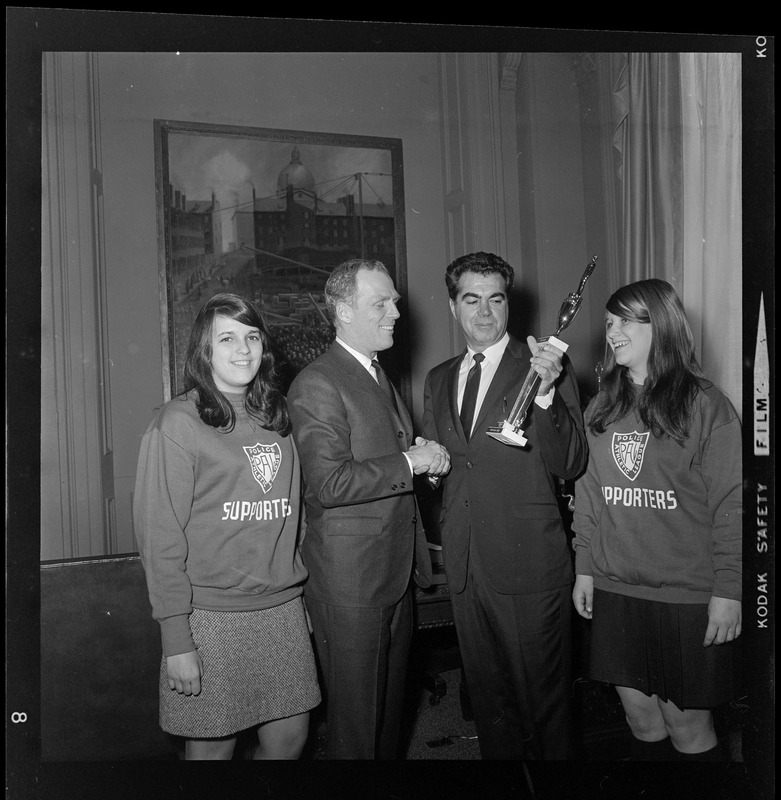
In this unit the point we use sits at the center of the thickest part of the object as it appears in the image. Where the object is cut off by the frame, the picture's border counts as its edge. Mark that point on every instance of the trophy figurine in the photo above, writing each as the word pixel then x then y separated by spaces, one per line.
pixel 510 431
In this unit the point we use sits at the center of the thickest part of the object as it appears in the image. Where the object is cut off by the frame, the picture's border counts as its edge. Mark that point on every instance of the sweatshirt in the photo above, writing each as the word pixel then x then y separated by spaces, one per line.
pixel 217 516
pixel 660 521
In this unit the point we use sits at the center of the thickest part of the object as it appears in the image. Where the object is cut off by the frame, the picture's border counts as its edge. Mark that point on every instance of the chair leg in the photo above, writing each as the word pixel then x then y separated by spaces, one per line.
pixel 466 703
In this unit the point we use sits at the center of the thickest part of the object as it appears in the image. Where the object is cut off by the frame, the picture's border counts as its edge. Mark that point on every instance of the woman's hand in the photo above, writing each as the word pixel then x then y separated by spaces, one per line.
pixel 724 621
pixel 185 671
pixel 583 595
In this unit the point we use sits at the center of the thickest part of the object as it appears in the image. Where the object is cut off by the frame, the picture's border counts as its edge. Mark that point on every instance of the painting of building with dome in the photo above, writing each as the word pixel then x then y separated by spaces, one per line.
pixel 268 215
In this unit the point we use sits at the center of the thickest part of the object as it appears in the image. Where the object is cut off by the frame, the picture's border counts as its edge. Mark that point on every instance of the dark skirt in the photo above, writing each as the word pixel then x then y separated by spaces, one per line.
pixel 657 648
pixel 258 666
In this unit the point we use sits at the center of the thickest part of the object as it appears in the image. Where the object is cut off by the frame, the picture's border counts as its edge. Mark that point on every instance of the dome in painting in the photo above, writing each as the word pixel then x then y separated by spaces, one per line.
pixel 295 174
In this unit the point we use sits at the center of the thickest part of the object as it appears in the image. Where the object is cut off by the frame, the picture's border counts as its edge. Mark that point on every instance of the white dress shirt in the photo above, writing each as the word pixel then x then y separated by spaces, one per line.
pixel 493 357
pixel 364 361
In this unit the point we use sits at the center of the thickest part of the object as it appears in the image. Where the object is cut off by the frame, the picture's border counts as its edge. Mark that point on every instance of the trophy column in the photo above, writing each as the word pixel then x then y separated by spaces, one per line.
pixel 509 431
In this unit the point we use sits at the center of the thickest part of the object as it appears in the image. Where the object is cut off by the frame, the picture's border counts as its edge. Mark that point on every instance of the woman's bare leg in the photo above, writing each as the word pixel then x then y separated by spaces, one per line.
pixel 283 739
pixel 209 749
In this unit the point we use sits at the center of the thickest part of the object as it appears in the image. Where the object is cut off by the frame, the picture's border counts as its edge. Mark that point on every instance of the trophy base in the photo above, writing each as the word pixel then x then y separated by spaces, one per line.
pixel 507 435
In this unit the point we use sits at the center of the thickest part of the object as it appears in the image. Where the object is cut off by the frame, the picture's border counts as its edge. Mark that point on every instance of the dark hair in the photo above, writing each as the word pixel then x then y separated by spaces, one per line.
pixel 263 399
pixel 342 282
pixel 482 264
pixel 674 376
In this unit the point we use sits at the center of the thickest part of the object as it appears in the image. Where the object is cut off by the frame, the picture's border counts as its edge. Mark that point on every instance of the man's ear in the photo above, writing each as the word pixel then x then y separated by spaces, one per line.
pixel 344 313
pixel 452 304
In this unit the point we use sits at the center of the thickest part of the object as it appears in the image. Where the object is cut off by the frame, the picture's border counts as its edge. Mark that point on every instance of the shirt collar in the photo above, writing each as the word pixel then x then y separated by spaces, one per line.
pixel 493 353
pixel 364 360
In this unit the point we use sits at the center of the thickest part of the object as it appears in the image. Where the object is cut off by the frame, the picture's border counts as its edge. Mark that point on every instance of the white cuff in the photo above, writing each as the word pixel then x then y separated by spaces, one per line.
pixel 544 400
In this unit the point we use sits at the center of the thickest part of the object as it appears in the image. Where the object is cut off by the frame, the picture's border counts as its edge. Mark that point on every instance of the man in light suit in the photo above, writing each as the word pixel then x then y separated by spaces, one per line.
pixel 364 544
pixel 505 550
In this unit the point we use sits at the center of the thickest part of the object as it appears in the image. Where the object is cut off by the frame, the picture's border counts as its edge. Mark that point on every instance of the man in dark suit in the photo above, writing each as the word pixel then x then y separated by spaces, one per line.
pixel 363 544
pixel 505 550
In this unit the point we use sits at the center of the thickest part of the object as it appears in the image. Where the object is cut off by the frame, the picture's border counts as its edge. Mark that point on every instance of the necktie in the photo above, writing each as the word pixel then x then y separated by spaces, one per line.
pixel 382 380
pixel 470 395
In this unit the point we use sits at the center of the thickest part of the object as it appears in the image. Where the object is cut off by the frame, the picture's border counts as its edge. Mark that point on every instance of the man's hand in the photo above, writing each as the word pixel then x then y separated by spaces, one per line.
pixel 429 456
pixel 184 672
pixel 546 362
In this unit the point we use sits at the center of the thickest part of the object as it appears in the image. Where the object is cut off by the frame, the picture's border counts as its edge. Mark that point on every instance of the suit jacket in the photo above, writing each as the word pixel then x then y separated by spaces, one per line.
pixel 498 498
pixel 363 534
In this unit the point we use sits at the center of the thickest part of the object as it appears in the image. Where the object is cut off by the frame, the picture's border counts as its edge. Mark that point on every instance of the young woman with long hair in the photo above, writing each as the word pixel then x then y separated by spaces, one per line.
pixel 658 529
pixel 218 520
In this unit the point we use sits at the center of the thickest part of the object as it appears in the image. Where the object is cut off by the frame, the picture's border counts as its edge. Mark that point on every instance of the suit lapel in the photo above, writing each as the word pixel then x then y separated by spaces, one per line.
pixel 357 372
pixel 452 393
pixel 504 388
pixel 400 410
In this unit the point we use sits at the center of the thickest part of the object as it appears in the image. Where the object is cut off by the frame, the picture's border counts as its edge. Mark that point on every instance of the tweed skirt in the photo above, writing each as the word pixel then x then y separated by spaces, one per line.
pixel 657 648
pixel 257 666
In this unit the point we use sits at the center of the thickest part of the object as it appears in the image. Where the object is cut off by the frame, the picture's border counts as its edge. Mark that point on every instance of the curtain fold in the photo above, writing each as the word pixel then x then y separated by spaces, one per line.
pixel 712 281
pixel 648 138
pixel 677 139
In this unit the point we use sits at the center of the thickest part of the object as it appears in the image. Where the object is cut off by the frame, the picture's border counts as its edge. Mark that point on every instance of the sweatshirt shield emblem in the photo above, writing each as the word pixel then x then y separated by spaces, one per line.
pixel 628 452
pixel 264 460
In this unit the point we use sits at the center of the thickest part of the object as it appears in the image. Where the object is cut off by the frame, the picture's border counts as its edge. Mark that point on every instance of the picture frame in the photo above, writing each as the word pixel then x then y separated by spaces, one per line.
pixel 268 213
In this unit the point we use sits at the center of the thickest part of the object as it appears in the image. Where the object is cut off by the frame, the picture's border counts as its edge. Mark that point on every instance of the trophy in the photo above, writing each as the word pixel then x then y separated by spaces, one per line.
pixel 509 431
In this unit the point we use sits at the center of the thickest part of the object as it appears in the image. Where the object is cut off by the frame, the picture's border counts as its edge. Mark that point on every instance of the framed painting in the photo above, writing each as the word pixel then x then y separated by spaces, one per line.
pixel 268 214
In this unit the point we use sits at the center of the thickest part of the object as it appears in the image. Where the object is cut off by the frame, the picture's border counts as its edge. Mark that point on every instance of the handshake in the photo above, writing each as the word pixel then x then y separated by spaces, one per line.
pixel 430 457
